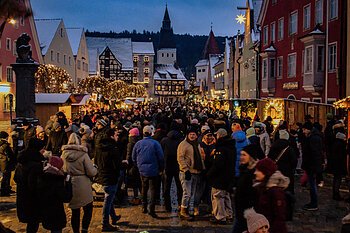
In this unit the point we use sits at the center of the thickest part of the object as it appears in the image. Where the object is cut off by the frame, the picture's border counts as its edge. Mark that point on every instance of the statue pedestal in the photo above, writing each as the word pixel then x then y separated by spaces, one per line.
pixel 25 88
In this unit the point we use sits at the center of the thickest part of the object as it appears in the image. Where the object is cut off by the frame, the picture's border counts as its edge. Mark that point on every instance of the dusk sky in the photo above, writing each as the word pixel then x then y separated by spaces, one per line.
pixel 187 16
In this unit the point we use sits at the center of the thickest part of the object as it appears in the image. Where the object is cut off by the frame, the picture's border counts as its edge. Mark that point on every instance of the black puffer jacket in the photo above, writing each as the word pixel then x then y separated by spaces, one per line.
pixel 108 162
pixel 169 145
pixel 221 173
pixel 287 162
pixel 28 171
pixel 337 159
pixel 312 148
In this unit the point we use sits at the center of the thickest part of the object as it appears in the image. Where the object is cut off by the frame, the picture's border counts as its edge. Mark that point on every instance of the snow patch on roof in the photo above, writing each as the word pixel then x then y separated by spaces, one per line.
pixel 74 36
pixel 51 98
pixel 142 48
pixel 120 47
pixel 46 29
pixel 213 59
pixel 168 70
pixel 203 62
pixel 227 51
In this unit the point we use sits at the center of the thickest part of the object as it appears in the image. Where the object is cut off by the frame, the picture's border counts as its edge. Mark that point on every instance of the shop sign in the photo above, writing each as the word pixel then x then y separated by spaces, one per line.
pixel 290 86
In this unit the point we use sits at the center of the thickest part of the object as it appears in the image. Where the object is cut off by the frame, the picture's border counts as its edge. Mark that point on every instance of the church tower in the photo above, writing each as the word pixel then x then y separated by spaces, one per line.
pixel 166 53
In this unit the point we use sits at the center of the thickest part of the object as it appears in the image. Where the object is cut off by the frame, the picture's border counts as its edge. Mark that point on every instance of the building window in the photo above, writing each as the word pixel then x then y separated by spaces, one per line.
pixel 292 65
pixel 293 23
pixel 14 51
pixel 319 12
pixel 199 70
pixel 308 60
pixel 280 29
pixel 64 59
pixel 307 17
pixel 8 44
pixel 7 101
pixel 203 70
pixel 136 58
pixel 320 58
pixel 16 23
pixel 273 31
pixel 332 57
pixel 21 20
pixel 136 70
pixel 146 70
pixel 264 69
pixel 279 67
pixel 266 35
pixel 70 60
pixel 146 58
pixel 78 64
pixel 162 54
pixel 51 55
pixel 167 55
pixel 333 9
pixel 272 67
pixel 61 32
pixel 58 57
pixel 9 74
pixel 172 55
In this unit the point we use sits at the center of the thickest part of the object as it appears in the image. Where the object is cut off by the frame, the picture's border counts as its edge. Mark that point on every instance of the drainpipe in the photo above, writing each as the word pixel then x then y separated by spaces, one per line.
pixel 326 57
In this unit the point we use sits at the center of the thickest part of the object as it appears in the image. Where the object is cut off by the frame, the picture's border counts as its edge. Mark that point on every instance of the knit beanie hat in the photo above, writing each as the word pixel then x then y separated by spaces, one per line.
pixel 56 162
pixel 147 129
pixel 251 151
pixel 308 125
pixel 102 122
pixel 192 130
pixel 284 134
pixel 254 220
pixel 266 166
pixel 134 132
pixel 250 132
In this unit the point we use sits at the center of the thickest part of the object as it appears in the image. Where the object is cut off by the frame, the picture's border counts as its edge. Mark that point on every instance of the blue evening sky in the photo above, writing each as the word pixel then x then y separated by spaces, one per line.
pixel 187 16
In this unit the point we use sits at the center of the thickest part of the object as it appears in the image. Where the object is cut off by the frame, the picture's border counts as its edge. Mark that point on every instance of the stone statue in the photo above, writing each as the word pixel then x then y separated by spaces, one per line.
pixel 24 52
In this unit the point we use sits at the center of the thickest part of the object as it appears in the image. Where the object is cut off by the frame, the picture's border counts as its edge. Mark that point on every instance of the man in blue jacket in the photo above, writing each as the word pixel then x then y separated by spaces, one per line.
pixel 148 156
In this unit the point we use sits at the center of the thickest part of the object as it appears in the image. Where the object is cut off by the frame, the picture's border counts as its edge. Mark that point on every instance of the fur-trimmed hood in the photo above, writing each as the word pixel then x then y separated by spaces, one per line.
pixel 73 152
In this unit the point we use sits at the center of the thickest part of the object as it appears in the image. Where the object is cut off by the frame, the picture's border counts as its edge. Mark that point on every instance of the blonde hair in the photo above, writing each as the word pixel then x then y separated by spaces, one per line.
pixel 74 139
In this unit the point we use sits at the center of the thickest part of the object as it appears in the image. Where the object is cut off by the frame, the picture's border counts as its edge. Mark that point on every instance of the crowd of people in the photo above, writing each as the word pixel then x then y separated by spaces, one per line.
pixel 241 169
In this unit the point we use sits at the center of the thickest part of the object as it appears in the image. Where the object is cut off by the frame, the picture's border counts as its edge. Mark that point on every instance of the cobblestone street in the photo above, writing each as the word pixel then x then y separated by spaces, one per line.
pixel 326 220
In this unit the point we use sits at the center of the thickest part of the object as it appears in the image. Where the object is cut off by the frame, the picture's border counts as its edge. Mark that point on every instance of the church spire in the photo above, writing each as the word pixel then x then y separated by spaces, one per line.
pixel 211 46
pixel 166 38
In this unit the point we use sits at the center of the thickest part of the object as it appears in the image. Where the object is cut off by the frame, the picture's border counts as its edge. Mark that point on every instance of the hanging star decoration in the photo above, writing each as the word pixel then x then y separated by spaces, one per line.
pixel 240 19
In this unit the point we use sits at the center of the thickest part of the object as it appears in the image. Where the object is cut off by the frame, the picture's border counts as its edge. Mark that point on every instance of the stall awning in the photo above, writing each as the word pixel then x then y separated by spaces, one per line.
pixel 129 102
pixel 52 98
pixel 83 101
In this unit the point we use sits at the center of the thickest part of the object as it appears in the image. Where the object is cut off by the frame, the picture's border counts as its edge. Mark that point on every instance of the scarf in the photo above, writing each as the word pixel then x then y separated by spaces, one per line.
pixel 196 155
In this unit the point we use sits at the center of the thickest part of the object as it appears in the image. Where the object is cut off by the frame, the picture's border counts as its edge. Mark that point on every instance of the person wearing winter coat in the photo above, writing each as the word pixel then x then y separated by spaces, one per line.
pixel 265 141
pixel 271 202
pixel 148 155
pixel 52 192
pixel 240 141
pixel 86 139
pixel 284 155
pixel 171 167
pixel 221 177
pixel 7 164
pixel 41 135
pixel 312 149
pixel 79 166
pixel 337 163
pixel 29 132
pixel 108 163
pixel 245 195
pixel 257 223
pixel 49 124
pixel 191 165
pixel 62 120
pixel 255 140
pixel 56 140
pixel 28 171
pixel 133 172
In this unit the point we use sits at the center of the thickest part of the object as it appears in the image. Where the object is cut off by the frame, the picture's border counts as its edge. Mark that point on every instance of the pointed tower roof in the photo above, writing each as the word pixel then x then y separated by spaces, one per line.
pixel 166 38
pixel 211 46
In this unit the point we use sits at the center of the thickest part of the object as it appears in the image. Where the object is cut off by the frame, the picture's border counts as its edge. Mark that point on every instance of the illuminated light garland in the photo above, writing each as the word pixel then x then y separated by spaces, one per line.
pixel 52 79
pixel 277 104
